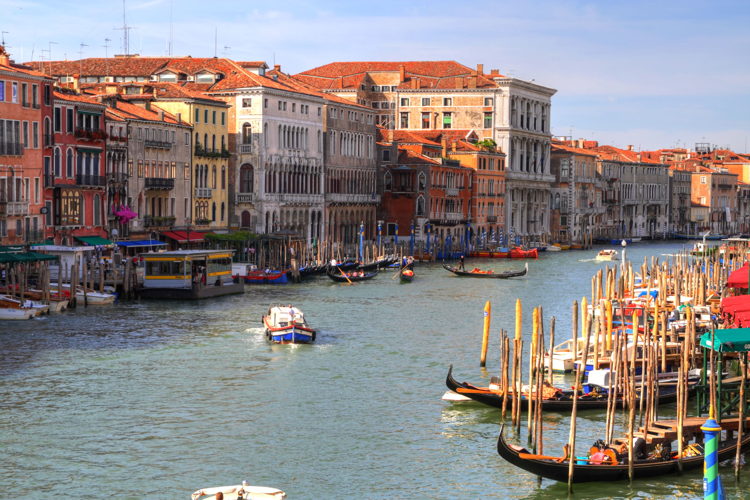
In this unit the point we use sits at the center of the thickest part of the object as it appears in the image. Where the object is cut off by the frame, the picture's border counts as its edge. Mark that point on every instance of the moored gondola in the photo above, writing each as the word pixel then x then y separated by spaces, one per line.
pixel 487 274
pixel 350 277
pixel 378 264
pixel 556 468
pixel 553 400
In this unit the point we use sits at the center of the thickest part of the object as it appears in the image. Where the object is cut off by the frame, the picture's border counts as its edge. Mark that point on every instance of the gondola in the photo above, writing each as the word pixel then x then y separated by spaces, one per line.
pixel 562 401
pixel 340 278
pixel 557 468
pixel 406 275
pixel 505 275
pixel 378 264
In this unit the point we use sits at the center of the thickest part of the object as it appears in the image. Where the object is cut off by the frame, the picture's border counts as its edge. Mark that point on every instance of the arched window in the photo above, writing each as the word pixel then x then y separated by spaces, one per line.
pixel 422 181
pixel 387 180
pixel 82 205
pixel 245 218
pixel 213 211
pixel 197 140
pixel 222 211
pixel 420 205
pixel 213 177
pixel 223 177
pixel 69 162
pixel 246 178
pixel 57 162
pixel 213 143
pixel 265 134
pixel 97 212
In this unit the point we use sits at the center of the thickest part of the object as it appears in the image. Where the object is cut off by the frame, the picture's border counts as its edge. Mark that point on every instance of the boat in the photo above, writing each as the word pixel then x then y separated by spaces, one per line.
pixel 553 399
pixel 13 309
pixel 264 277
pixel 90 297
pixel 406 275
pixel 615 468
pixel 188 274
pixel 478 273
pixel 287 325
pixel 607 255
pixel 683 236
pixel 553 248
pixel 244 491
pixel 351 276
pixel 520 253
pixel 378 264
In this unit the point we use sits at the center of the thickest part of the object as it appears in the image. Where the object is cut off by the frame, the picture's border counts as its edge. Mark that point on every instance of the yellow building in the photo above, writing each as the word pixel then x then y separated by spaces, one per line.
pixel 210 121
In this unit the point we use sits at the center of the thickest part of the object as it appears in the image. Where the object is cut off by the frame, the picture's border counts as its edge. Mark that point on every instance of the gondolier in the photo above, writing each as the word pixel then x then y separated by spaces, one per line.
pixel 461 264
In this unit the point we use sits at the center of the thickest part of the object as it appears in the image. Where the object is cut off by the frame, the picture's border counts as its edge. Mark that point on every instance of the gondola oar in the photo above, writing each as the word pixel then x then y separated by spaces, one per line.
pixel 344 275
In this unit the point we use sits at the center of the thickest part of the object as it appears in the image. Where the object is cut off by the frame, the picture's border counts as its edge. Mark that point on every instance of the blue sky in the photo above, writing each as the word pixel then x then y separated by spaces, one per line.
pixel 651 74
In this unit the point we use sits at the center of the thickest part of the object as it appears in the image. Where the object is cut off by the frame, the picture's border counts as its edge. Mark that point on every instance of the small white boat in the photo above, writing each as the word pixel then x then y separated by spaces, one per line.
pixel 243 491
pixel 607 254
pixel 93 298
pixel 13 309
pixel 553 248
pixel 287 325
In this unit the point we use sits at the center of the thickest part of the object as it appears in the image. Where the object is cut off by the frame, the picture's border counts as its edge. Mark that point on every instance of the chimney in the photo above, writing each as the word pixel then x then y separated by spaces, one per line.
pixel 495 72
pixel 4 57
pixel 480 69
pixel 453 146
pixel 160 113
pixel 415 82
pixel 341 82
pixel 179 117
pixel 277 67
pixel 472 82
pixel 630 147
pixel 401 74
pixel 444 144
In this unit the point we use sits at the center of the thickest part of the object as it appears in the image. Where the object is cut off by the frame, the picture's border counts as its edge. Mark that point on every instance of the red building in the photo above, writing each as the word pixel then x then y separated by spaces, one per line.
pixel 75 181
pixel 25 108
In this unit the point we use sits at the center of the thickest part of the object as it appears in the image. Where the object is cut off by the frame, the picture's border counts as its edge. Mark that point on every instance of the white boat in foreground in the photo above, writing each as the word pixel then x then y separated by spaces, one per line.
pixel 13 309
pixel 243 491
pixel 93 298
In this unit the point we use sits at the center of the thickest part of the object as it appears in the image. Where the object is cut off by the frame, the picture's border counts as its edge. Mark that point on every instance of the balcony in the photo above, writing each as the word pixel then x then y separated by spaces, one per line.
pixel 150 221
pixel 201 192
pixel 31 237
pixel 90 135
pixel 157 144
pixel 18 208
pixel 451 192
pixel 90 180
pixel 246 149
pixel 245 197
pixel 352 198
pixel 159 183
pixel 492 218
pixel 117 177
pixel 12 149
pixel 210 153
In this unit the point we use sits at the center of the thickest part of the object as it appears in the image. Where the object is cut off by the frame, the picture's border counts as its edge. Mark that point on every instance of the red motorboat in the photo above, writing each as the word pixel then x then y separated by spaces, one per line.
pixel 520 253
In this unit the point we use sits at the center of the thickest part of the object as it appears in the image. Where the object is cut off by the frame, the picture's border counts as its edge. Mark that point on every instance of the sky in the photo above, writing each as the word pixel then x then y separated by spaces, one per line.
pixel 652 74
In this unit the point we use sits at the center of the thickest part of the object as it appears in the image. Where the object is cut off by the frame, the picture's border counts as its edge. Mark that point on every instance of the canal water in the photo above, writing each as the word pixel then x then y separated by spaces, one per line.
pixel 157 399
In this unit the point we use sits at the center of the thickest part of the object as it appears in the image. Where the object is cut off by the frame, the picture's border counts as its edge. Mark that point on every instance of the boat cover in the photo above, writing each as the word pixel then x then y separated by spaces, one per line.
pixel 738 278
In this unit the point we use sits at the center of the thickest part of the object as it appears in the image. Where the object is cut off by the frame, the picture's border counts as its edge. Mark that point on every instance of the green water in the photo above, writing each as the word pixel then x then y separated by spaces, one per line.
pixel 157 399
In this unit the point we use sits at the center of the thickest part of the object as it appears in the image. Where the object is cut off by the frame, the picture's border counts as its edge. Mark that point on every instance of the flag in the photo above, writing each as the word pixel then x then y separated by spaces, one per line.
pixel 380 231
pixel 411 240
pixel 395 236
pixel 361 242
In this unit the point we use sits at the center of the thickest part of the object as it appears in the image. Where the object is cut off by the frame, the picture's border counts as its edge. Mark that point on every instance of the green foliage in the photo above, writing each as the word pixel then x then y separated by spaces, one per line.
pixel 487 144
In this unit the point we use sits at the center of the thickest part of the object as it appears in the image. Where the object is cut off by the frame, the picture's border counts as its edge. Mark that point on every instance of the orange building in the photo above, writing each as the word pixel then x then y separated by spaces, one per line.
pixel 717 190
pixel 25 146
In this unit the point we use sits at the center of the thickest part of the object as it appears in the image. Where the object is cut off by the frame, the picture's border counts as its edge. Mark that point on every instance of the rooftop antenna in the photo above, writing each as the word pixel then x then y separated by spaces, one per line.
pixel 171 29
pixel 106 55
pixel 49 53
pixel 2 35
pixel 216 38
pixel 125 32
pixel 226 49
pixel 80 58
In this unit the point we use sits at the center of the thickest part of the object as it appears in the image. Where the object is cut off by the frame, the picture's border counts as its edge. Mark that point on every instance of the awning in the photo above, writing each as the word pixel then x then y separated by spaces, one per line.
pixel 11 248
pixel 182 236
pixel 728 340
pixel 730 305
pixel 141 243
pixel 94 240
pixel 6 258
pixel 738 278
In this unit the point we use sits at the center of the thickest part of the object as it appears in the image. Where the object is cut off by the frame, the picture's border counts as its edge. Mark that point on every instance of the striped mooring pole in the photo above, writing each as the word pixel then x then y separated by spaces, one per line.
pixel 711 481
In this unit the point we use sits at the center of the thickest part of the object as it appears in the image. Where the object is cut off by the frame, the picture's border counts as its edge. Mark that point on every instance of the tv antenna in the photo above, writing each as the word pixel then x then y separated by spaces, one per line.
pixel 216 40
pixel 226 49
pixel 106 55
pixel 171 29
pixel 2 35
pixel 125 31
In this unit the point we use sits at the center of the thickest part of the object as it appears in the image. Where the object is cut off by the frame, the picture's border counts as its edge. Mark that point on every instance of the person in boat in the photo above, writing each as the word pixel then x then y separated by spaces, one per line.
pixel 461 263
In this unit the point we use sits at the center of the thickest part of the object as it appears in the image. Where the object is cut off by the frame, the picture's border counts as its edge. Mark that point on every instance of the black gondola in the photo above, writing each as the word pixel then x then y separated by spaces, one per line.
pixel 340 278
pixel 563 401
pixel 557 469
pixel 378 264
pixel 505 275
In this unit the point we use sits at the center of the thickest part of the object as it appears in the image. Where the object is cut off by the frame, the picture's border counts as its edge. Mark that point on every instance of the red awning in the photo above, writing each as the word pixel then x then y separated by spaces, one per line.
pixel 731 305
pixel 182 236
pixel 738 278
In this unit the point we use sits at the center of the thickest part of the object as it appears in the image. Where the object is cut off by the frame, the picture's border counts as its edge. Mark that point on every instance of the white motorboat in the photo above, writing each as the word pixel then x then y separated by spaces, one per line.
pixel 553 248
pixel 287 325
pixel 14 309
pixel 607 254
pixel 243 491
pixel 93 298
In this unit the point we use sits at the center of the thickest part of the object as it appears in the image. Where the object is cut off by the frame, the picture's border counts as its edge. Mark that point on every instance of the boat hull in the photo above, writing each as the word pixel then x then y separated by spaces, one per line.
pixel 263 278
pixel 194 293
pixel 291 336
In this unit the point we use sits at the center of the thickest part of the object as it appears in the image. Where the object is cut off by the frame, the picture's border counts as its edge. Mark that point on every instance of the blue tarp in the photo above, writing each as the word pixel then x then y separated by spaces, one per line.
pixel 141 243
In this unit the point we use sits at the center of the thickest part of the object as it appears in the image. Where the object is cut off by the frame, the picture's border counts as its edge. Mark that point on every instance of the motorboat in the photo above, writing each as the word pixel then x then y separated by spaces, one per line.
pixel 287 325
pixel 243 491
pixel 92 297
pixel 13 309
pixel 607 255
